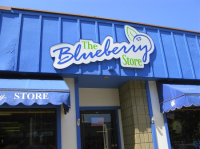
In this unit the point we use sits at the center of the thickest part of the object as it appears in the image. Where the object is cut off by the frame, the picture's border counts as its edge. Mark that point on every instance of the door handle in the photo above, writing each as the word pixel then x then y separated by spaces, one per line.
pixel 78 122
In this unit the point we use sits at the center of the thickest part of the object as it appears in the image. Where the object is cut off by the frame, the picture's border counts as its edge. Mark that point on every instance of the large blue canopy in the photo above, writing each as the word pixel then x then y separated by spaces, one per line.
pixel 30 91
pixel 177 96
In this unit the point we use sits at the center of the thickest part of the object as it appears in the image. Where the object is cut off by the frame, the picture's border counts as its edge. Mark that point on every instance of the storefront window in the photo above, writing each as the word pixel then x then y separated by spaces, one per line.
pixel 184 128
pixel 28 129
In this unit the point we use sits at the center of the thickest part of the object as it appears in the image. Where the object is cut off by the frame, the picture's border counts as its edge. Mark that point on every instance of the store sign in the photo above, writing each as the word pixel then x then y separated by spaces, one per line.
pixel 31 96
pixel 24 95
pixel 134 54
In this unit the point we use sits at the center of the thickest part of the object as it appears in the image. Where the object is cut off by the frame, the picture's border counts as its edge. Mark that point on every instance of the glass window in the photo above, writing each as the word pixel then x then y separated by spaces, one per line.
pixel 184 128
pixel 28 129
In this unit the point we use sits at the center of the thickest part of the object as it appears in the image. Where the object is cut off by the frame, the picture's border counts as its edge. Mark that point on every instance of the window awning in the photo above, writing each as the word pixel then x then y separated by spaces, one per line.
pixel 30 91
pixel 177 96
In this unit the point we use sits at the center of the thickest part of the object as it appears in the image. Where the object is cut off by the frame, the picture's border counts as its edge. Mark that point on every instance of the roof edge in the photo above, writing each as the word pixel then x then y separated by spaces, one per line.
pixel 5 8
pixel 94 17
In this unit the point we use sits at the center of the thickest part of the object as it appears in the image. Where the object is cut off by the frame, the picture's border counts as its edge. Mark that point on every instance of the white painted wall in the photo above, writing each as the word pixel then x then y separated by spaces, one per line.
pixel 68 121
pixel 159 121
pixel 98 97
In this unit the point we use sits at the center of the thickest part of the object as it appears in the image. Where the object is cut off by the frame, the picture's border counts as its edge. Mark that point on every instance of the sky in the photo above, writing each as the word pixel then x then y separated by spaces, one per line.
pixel 182 14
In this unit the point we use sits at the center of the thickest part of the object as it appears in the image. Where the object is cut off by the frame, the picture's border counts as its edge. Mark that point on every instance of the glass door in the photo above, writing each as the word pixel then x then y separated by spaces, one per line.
pixel 98 130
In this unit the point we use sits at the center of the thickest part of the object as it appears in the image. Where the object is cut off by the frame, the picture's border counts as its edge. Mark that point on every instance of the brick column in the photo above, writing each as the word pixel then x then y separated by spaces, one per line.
pixel 135 116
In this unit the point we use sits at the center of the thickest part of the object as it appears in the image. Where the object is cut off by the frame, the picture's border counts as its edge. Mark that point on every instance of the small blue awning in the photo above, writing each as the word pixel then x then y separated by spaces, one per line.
pixel 30 91
pixel 177 96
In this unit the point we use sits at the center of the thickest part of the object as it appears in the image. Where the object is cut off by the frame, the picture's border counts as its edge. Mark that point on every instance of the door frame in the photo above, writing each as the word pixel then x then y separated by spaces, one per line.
pixel 115 108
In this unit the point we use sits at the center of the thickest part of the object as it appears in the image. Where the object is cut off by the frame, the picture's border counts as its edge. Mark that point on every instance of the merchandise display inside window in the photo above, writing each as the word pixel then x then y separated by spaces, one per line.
pixel 184 128
pixel 28 129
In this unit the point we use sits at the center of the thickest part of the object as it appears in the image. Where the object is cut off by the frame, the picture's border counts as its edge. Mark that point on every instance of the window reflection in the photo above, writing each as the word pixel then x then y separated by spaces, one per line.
pixel 184 128
pixel 28 129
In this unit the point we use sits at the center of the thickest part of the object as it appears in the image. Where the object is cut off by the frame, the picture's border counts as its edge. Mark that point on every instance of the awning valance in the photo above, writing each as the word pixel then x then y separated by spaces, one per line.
pixel 177 96
pixel 30 91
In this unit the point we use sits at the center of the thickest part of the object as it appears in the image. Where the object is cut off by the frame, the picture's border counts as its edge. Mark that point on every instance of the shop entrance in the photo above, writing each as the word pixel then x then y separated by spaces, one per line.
pixel 98 130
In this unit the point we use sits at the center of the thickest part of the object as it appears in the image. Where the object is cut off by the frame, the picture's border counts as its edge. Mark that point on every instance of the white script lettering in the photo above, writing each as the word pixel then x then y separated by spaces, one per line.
pixel 31 96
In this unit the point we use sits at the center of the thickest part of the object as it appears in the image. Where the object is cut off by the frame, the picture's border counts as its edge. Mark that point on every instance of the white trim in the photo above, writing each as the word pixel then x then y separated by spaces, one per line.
pixel 159 120
pixel 68 121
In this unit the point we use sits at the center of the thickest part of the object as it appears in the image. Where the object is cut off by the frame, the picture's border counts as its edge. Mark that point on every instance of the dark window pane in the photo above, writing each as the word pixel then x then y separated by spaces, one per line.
pixel 28 129
pixel 184 128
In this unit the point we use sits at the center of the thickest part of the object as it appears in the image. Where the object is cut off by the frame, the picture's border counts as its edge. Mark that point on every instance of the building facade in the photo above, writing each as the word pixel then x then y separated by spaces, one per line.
pixel 82 82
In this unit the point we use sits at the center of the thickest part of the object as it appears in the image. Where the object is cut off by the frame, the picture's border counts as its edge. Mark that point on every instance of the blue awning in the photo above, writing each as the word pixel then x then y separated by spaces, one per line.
pixel 30 91
pixel 177 96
